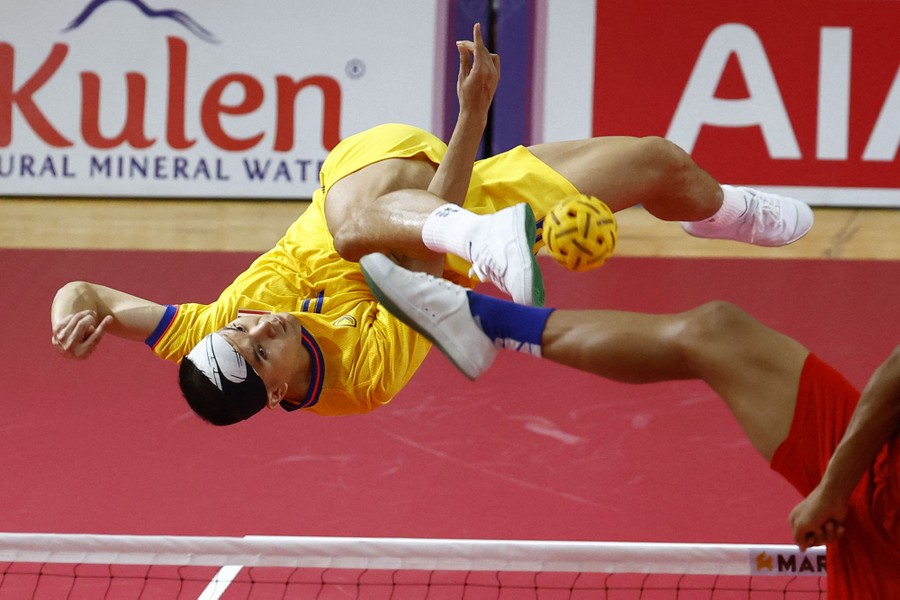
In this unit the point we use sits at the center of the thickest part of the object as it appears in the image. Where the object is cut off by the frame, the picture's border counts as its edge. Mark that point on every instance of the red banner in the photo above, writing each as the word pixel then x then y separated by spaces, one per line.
pixel 765 92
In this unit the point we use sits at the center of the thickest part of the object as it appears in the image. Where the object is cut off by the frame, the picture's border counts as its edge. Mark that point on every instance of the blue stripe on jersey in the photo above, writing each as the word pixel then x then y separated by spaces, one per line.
pixel 320 301
pixel 163 325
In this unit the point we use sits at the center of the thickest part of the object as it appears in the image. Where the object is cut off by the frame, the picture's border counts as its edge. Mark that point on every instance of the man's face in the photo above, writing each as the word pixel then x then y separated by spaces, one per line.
pixel 271 344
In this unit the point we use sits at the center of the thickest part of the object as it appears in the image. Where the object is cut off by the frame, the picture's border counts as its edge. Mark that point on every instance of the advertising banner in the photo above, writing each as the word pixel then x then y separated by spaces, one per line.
pixel 133 98
pixel 801 97
pixel 227 99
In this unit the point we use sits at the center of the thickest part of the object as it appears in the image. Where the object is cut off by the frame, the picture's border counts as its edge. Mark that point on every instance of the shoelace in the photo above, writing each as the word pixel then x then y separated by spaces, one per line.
pixel 488 272
pixel 440 282
pixel 765 215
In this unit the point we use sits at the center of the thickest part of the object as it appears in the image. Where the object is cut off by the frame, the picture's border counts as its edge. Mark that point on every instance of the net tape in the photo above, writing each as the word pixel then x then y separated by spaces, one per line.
pixel 414 554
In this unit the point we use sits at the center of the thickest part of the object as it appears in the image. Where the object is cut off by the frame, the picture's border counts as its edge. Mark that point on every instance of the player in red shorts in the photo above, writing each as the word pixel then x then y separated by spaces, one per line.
pixel 839 448
pixel 843 455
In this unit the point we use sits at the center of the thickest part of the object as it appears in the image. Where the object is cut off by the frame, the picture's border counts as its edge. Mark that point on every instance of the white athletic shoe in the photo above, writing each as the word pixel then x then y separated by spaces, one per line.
pixel 504 255
pixel 769 220
pixel 435 307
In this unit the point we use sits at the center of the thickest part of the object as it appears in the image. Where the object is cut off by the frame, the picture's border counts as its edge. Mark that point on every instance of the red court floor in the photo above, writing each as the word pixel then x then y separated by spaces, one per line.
pixel 531 451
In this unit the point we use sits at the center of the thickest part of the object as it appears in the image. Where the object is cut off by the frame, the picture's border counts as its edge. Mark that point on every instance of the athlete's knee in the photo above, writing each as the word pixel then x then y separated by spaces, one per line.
pixel 893 360
pixel 664 159
pixel 712 324
pixel 350 239
pixel 678 189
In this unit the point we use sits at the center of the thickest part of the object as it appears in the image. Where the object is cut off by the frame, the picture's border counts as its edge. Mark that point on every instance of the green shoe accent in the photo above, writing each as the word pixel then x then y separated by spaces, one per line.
pixel 537 283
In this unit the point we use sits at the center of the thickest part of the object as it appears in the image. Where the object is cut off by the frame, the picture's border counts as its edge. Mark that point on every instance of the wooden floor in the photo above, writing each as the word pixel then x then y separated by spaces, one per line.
pixel 254 226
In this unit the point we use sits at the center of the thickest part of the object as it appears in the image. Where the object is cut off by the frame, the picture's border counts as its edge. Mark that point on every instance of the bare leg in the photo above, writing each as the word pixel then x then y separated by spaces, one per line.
pixel 625 171
pixel 754 369
pixel 385 208
pixel 654 172
pixel 391 224
pixel 382 208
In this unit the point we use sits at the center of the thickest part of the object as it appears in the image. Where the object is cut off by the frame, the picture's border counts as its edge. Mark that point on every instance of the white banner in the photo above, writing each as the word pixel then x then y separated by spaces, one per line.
pixel 226 99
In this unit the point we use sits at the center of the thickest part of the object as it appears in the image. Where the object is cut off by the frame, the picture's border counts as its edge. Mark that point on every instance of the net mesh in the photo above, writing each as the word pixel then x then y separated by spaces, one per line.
pixel 151 567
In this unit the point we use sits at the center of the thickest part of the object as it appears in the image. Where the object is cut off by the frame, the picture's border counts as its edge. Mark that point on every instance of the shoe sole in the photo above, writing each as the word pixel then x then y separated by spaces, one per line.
pixel 371 271
pixel 537 278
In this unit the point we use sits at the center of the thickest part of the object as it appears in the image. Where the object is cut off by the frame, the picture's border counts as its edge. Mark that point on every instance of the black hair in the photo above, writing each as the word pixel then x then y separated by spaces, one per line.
pixel 236 403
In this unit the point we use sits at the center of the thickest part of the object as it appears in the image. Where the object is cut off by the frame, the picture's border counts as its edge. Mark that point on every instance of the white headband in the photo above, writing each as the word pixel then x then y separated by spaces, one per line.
pixel 216 358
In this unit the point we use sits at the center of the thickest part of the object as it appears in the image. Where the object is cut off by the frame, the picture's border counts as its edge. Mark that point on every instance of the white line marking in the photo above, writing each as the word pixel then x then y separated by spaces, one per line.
pixel 220 582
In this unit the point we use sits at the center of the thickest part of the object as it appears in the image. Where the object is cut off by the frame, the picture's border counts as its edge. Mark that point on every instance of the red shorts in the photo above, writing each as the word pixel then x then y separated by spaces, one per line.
pixel 866 561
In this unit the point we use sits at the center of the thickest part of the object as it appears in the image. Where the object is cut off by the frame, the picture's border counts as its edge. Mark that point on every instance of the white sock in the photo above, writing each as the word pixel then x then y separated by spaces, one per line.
pixel 734 204
pixel 449 228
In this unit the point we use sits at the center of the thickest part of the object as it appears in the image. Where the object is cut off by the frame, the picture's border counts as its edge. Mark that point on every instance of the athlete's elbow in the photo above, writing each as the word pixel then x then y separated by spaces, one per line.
pixel 74 289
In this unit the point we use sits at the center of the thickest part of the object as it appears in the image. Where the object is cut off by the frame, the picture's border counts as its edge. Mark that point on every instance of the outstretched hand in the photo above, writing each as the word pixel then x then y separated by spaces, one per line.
pixel 77 335
pixel 817 519
pixel 479 73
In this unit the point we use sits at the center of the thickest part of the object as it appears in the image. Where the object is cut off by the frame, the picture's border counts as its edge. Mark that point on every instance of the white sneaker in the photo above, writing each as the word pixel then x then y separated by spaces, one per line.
pixel 436 308
pixel 769 220
pixel 504 255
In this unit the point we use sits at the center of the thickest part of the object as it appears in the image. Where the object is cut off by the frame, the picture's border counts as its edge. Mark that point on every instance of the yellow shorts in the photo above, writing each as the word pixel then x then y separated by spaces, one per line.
pixel 509 178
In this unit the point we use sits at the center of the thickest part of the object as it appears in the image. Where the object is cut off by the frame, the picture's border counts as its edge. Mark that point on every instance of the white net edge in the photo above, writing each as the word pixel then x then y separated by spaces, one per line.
pixel 413 554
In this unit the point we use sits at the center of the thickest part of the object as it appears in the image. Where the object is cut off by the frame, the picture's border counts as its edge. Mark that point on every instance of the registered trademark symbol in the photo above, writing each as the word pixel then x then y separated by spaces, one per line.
pixel 355 68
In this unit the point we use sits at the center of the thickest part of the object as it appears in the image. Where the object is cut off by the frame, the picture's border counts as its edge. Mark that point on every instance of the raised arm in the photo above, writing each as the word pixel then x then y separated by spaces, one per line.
pixel 82 313
pixel 818 518
pixel 479 74
pixel 383 207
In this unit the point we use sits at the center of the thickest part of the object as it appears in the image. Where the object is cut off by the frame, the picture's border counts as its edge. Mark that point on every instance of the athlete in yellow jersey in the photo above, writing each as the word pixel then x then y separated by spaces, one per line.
pixel 360 357
pixel 301 329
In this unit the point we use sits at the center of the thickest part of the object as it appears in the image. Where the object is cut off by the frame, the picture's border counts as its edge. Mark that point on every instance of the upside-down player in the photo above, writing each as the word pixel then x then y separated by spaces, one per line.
pixel 300 328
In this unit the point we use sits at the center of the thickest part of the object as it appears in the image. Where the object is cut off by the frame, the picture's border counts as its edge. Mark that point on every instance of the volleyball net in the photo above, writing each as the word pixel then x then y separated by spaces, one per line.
pixel 260 567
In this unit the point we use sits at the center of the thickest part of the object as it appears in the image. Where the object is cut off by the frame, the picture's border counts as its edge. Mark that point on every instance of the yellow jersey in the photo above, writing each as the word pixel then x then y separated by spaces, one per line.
pixel 361 355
